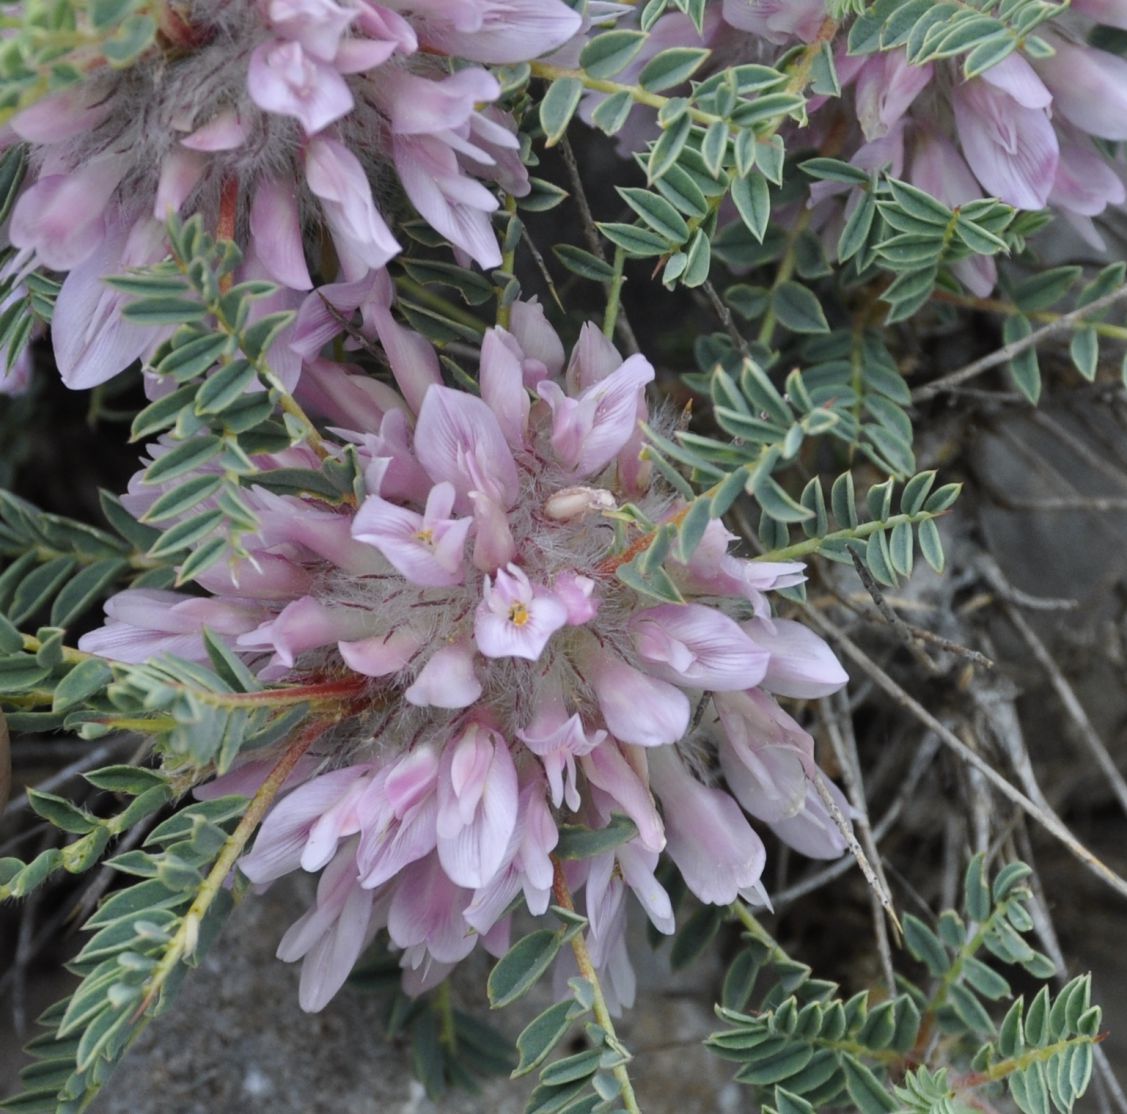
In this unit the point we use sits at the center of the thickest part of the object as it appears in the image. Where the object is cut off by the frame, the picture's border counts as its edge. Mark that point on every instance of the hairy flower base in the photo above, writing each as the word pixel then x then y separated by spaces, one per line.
pixel 519 680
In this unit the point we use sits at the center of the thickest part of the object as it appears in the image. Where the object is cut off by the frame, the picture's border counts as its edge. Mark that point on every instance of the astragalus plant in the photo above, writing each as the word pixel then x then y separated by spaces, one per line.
pixel 513 602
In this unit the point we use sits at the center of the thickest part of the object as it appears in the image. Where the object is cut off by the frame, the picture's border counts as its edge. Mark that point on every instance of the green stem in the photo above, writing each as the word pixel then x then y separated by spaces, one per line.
pixel 187 935
pixel 637 94
pixel 444 1007
pixel 614 293
pixel 783 274
pixel 751 924
pixel 968 950
pixel 587 970
pixel 815 545
pixel 508 264
pixel 288 403
pixel 70 656
pixel 1027 1059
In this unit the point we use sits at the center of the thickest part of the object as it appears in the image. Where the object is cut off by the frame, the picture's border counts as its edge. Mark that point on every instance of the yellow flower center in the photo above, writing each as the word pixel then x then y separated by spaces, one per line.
pixel 425 536
pixel 519 615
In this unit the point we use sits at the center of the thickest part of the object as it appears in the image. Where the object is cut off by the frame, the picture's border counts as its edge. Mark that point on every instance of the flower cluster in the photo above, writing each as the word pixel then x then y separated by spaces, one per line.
pixel 1028 131
pixel 510 678
pixel 300 107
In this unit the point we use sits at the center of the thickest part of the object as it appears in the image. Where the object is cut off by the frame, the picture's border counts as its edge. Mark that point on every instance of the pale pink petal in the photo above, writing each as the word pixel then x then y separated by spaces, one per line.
pixel 1015 76
pixel 493 540
pixel 811 831
pixel 276 227
pixel 448 680
pixel 336 176
pixel 637 709
pixel 381 655
pixel 502 384
pixel 802 664
pixel 454 204
pixel 536 338
pixel 588 431
pixel 1012 149
pixel 281 840
pixel 477 797
pixel 689 644
pixel 61 215
pixel 426 549
pixel 225 132
pixel 1089 87
pixel 180 171
pixel 607 768
pixel 282 78
pixel 427 910
pixel 505 31
pixel 710 840
pixel 458 439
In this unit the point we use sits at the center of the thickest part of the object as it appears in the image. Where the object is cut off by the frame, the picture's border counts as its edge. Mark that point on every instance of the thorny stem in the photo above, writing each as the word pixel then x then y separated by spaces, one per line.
pixel 562 896
pixel 187 935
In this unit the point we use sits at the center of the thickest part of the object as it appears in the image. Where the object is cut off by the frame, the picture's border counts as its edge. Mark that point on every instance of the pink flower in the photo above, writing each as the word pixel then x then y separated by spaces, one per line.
pixel 886 87
pixel 1009 143
pixel 557 739
pixel 766 757
pixel 800 664
pixel 330 937
pixel 1089 87
pixel 458 439
pixel 282 78
pixel 428 548
pixel 717 853
pixel 496 695
pixel 317 24
pixel 448 680
pixel 275 224
pixel 500 30
pixel 637 709
pixel 282 840
pixel 451 201
pixel 477 805
pixel 426 916
pixel 61 215
pixel 335 175
pixel 400 809
pixel 689 644
pixel 588 431
pixel 515 619
pixel 777 21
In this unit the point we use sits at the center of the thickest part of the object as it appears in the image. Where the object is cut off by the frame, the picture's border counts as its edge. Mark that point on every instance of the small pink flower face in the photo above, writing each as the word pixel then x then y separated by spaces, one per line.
pixel 428 549
pixel 514 619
